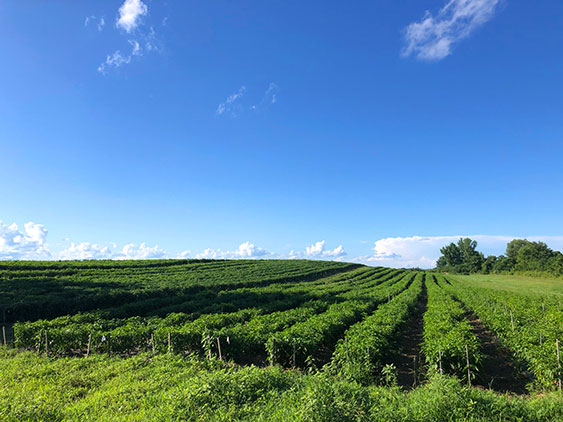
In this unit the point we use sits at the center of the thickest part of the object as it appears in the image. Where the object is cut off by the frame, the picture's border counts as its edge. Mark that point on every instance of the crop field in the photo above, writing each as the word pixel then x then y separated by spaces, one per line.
pixel 275 340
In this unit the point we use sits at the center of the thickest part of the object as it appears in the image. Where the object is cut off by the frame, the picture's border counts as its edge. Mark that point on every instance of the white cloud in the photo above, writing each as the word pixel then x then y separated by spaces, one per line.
pixel 270 97
pixel 229 104
pixel 271 93
pixel 117 59
pixel 245 250
pixel 248 250
pixel 130 14
pixel 132 251
pixel 433 37
pixel 423 251
pixel 100 25
pixel 29 244
pixel 184 254
pixel 318 250
pixel 129 19
pixel 85 250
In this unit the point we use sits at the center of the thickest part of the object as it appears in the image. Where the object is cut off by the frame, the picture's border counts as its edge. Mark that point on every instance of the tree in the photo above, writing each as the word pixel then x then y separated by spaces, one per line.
pixel 556 264
pixel 489 264
pixel 502 264
pixel 533 256
pixel 461 257
pixel 512 249
pixel 451 255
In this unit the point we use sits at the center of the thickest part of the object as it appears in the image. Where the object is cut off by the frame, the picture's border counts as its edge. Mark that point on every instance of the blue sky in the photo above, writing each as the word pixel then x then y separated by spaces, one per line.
pixel 134 128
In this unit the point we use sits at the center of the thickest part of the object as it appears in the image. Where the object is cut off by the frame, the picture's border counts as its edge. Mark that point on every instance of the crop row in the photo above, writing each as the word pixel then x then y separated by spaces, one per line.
pixel 249 338
pixel 523 322
pixel 449 343
pixel 127 335
pixel 271 298
pixel 47 295
pixel 302 342
pixel 366 345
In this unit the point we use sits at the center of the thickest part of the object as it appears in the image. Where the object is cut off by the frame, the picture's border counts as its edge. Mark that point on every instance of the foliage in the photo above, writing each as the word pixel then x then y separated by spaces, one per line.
pixel 165 387
pixel 447 333
pixel 462 257
pixel 527 323
pixel 367 345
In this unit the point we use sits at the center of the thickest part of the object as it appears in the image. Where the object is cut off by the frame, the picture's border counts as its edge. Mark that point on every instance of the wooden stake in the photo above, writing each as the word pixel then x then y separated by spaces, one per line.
pixel 543 306
pixel 39 342
pixel 468 371
pixel 219 348
pixel 89 344
pixel 512 320
pixel 4 334
pixel 169 343
pixel 440 360
pixel 558 362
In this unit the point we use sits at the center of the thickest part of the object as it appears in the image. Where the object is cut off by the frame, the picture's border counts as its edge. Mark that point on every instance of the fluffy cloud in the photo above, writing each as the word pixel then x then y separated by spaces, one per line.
pixel 144 40
pixel 245 250
pixel 433 37
pixel 130 14
pixel 87 250
pixel 27 244
pixel 184 254
pixel 423 251
pixel 132 251
pixel 229 105
pixel 318 250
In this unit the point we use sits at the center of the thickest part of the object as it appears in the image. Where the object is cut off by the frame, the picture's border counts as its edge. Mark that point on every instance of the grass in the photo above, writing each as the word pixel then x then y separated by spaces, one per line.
pixel 167 387
pixel 514 283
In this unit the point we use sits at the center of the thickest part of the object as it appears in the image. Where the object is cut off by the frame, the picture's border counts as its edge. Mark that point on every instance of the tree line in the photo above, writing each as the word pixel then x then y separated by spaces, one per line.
pixel 521 255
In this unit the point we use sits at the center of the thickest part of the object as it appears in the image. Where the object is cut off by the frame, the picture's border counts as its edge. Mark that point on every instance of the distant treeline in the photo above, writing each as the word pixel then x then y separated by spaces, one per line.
pixel 521 256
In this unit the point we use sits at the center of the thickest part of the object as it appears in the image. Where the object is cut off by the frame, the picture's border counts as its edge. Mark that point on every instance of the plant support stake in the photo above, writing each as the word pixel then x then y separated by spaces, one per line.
pixel 39 342
pixel 468 370
pixel 440 360
pixel 89 345
pixel 219 348
pixel 558 362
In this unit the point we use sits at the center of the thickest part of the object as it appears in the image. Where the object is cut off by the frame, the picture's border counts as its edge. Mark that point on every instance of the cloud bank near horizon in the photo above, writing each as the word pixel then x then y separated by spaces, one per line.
pixel 30 242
